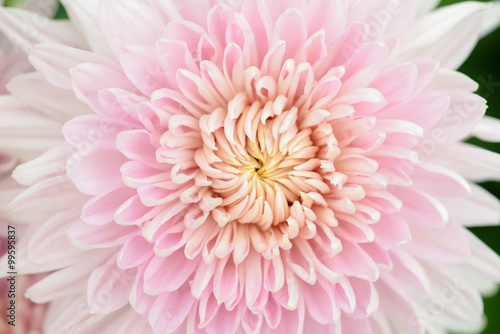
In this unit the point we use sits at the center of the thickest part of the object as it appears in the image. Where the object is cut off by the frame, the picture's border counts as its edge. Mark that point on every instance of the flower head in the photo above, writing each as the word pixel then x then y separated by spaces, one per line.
pixel 256 167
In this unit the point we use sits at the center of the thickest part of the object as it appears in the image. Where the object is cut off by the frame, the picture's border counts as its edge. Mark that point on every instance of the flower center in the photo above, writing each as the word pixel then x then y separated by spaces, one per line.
pixel 261 162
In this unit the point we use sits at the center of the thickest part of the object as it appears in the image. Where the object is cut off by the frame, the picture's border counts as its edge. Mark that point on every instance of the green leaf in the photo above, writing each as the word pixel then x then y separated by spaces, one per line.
pixel 61 13
pixel 13 3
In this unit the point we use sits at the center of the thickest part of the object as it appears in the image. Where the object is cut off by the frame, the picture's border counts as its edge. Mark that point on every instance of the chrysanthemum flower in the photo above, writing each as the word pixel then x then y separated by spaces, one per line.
pixel 257 167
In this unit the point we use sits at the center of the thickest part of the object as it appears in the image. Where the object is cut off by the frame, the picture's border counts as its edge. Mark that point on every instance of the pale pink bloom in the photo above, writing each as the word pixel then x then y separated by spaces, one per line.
pixel 254 167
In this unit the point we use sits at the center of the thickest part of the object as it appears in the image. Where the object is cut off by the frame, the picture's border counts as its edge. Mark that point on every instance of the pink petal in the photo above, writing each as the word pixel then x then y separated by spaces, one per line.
pixel 87 82
pixel 134 252
pixel 170 310
pixel 142 66
pixel 391 230
pixel 101 209
pixel 319 302
pixel 91 177
pixel 420 209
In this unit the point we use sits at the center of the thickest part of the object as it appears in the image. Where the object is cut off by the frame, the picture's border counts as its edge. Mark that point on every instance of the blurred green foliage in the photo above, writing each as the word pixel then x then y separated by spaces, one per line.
pixel 61 13
pixel 12 3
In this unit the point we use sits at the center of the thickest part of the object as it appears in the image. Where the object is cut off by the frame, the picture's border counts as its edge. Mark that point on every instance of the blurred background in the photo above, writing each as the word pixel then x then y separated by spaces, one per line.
pixel 483 66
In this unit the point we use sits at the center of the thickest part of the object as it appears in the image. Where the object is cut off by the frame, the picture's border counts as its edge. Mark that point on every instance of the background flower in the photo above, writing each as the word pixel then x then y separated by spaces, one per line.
pixel 263 164
pixel 29 317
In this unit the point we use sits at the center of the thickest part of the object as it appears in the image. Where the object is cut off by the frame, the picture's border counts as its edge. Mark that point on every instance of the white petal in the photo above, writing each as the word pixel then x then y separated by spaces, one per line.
pixel 488 129
pixel 491 19
pixel 49 164
pixel 54 62
pixel 473 163
pixel 450 79
pixel 66 282
pixel 461 303
pixel 46 8
pixel 69 315
pixel 128 21
pixel 425 6
pixel 484 259
pixel 482 208
pixel 24 132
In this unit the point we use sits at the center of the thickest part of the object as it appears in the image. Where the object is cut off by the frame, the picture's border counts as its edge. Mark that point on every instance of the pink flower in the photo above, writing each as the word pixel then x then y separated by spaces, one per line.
pixel 258 167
